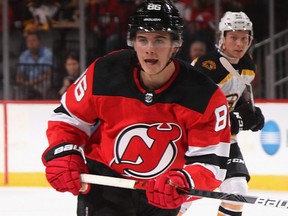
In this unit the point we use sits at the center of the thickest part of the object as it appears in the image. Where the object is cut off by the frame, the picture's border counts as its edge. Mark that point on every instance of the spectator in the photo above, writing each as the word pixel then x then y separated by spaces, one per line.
pixel 69 10
pixel 202 22
pixel 34 69
pixel 72 66
pixel 184 9
pixel 67 81
pixel 43 12
pixel 197 49
pixel 105 20
pixel 129 6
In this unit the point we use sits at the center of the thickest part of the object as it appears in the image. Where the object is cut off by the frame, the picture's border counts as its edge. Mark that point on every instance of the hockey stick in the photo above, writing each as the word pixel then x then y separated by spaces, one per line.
pixel 226 64
pixel 132 184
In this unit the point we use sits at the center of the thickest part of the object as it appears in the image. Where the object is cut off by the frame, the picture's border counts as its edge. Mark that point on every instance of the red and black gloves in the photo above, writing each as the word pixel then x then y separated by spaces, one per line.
pixel 64 164
pixel 245 118
pixel 162 191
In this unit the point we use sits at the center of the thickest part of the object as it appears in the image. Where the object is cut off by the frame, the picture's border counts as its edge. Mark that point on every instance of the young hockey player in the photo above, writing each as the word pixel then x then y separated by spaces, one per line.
pixel 138 114
pixel 236 34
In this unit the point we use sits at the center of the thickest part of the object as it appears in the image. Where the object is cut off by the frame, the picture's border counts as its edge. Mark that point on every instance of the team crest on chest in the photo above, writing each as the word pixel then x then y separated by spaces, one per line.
pixel 145 151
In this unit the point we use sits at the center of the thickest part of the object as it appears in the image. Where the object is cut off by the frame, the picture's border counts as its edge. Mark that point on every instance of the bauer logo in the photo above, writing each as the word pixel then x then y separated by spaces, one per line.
pixel 271 137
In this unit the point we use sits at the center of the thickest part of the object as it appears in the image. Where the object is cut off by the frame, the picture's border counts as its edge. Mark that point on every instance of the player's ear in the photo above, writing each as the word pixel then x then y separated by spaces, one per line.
pixel 176 46
pixel 178 43
pixel 175 50
pixel 222 42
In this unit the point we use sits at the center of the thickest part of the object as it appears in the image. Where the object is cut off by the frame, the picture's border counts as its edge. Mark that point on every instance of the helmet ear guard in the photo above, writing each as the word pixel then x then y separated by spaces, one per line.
pixel 156 15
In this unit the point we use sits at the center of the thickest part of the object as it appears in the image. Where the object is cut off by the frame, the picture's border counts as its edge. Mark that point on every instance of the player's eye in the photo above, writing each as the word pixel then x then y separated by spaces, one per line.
pixel 233 38
pixel 142 41
pixel 245 38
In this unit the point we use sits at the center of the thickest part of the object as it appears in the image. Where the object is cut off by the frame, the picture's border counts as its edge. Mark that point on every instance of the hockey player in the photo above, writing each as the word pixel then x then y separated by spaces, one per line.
pixel 236 34
pixel 138 114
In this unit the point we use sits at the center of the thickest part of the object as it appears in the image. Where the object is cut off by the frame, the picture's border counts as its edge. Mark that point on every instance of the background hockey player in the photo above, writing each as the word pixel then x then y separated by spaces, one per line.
pixel 236 34
pixel 138 114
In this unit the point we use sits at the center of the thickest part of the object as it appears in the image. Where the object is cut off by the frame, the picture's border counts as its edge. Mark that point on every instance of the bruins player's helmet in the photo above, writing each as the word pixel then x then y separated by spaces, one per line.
pixel 234 21
pixel 156 15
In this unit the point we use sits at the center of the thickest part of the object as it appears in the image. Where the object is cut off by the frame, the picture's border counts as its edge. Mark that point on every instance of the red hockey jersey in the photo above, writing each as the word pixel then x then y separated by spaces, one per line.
pixel 141 134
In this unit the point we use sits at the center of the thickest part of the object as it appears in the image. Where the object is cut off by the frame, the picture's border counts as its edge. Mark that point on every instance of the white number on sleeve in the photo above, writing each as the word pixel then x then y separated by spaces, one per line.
pixel 221 117
pixel 80 88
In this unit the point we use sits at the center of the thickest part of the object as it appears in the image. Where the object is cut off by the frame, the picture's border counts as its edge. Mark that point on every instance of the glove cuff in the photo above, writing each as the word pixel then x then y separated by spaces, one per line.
pixel 187 176
pixel 236 122
pixel 62 150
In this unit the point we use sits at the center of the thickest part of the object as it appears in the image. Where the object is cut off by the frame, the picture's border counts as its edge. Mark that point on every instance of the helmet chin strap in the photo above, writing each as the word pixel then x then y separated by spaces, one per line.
pixel 171 58
pixel 168 62
pixel 218 47
pixel 228 57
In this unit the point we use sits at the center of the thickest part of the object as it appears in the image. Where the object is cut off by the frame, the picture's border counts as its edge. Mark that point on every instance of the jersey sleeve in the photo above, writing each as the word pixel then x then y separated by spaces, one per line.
pixel 73 120
pixel 209 145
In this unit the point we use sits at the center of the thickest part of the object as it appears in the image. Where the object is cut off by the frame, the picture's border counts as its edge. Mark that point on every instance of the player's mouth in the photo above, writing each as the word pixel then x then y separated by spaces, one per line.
pixel 151 61
pixel 238 51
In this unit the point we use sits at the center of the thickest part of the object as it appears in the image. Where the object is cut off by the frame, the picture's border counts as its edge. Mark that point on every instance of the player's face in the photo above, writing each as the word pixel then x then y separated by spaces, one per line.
pixel 236 43
pixel 154 49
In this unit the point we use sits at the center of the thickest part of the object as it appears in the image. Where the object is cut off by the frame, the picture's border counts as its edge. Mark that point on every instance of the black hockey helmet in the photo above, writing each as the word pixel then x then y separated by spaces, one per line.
pixel 156 15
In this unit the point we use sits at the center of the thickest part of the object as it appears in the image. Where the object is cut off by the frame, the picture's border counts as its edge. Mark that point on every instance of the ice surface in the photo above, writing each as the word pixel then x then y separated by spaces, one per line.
pixel 18 201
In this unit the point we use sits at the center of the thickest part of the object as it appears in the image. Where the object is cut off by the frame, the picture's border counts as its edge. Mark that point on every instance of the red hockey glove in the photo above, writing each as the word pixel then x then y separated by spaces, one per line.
pixel 161 192
pixel 64 164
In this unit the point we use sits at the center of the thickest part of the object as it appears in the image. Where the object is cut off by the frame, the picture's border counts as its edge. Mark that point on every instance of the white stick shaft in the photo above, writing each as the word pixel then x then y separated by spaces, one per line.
pixel 108 181
pixel 132 184
pixel 226 64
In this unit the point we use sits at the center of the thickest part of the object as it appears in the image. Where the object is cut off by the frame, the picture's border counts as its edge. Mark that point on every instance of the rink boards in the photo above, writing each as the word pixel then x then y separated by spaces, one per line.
pixel 23 139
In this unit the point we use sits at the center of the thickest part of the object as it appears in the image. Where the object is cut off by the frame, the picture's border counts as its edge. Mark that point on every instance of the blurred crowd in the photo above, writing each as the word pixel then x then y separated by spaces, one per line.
pixel 56 24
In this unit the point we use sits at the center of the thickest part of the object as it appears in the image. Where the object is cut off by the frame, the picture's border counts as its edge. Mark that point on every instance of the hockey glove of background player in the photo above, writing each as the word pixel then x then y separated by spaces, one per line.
pixel 244 118
pixel 64 164
pixel 163 194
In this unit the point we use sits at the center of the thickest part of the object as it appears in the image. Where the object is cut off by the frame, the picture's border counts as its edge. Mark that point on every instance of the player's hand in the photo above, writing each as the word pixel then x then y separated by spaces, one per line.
pixel 245 118
pixel 260 119
pixel 162 191
pixel 63 173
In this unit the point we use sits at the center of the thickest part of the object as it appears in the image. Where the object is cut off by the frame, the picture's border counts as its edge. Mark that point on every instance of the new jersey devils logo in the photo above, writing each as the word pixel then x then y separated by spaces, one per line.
pixel 145 151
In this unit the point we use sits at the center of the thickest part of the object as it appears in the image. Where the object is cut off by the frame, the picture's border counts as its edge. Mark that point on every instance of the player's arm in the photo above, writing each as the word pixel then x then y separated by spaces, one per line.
pixel 206 158
pixel 68 130
pixel 209 145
